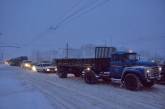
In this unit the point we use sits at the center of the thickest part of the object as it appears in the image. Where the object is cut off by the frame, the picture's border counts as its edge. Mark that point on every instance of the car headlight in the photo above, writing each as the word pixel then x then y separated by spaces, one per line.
pixel 27 65
pixel 47 70
pixel 56 69
pixel 34 69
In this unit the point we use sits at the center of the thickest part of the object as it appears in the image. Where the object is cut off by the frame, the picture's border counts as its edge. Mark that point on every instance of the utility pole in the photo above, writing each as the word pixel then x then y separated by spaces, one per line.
pixel 1 50
pixel 67 50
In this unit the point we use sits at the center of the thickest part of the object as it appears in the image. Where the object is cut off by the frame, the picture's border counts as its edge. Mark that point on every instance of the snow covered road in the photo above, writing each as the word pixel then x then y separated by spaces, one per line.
pixel 16 94
pixel 73 93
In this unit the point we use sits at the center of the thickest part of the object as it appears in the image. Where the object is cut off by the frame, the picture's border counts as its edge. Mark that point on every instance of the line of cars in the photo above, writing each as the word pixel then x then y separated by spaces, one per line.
pixel 24 63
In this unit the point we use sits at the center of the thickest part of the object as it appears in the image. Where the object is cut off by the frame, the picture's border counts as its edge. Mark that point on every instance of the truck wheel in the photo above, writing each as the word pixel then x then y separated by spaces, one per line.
pixel 62 74
pixel 90 77
pixel 132 82
pixel 148 84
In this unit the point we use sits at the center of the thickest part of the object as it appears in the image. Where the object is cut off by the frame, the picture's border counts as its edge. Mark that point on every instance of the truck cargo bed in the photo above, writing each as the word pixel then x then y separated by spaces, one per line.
pixel 99 64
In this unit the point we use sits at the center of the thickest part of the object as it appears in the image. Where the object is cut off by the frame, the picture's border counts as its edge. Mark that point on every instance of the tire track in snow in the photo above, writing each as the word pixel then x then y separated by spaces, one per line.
pixel 77 89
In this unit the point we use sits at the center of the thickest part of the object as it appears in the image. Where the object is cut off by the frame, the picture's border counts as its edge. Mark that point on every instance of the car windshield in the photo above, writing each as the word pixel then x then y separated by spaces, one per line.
pixel 44 65
pixel 28 62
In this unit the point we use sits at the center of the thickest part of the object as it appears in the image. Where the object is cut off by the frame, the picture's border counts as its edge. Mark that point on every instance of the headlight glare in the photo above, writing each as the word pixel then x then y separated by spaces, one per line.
pixel 160 69
pixel 88 68
pixel 47 70
pixel 34 69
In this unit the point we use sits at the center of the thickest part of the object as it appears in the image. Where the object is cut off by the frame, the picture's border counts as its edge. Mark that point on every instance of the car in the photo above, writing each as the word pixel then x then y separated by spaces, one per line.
pixel 17 61
pixel 27 64
pixel 44 67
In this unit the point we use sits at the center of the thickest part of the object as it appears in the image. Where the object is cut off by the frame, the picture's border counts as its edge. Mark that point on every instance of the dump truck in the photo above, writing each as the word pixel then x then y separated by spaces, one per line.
pixel 109 63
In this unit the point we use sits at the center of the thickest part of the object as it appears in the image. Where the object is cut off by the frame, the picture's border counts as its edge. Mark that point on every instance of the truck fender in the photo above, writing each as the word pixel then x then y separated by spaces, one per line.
pixel 132 71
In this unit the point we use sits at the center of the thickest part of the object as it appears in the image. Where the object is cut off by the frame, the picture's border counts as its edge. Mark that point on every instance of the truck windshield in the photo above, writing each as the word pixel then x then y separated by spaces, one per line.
pixel 132 57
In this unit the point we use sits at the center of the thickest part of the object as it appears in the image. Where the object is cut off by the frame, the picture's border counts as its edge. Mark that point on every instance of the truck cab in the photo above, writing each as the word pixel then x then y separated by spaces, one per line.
pixel 119 61
pixel 128 67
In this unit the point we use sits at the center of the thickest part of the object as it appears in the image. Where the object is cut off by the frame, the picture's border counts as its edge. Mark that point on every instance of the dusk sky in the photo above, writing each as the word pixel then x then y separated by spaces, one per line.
pixel 31 24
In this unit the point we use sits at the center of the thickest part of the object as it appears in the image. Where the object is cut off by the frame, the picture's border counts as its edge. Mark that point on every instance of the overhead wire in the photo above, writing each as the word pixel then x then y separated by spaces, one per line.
pixel 74 6
pixel 11 46
pixel 74 14
pixel 40 35
pixel 86 11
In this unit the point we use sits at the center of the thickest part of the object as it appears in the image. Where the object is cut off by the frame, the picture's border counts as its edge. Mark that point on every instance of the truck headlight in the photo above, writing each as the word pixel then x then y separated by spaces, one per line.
pixel 88 68
pixel 148 71
pixel 160 69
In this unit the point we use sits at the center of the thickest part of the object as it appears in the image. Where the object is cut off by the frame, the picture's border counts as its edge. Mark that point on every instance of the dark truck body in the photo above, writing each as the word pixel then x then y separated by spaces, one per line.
pixel 76 66
pixel 100 63
pixel 107 64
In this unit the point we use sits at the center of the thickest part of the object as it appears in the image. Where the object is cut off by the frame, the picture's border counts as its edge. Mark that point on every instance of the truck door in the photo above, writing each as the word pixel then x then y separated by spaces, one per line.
pixel 116 67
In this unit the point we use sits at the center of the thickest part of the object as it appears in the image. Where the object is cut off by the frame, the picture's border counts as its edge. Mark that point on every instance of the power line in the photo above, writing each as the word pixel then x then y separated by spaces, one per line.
pixel 74 6
pixel 82 10
pixel 74 13
pixel 87 11
pixel 10 46
pixel 40 35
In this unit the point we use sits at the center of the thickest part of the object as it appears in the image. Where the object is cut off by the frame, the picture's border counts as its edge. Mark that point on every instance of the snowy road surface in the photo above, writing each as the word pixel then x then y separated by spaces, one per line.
pixel 28 90
pixel 16 94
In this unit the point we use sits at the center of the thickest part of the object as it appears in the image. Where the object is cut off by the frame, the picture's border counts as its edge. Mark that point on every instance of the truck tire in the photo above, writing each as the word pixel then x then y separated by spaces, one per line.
pixel 148 84
pixel 62 74
pixel 132 82
pixel 90 77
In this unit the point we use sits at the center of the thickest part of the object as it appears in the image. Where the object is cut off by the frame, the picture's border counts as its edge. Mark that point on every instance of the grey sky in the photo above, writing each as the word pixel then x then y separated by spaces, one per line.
pixel 136 24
